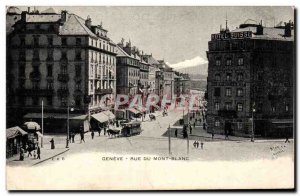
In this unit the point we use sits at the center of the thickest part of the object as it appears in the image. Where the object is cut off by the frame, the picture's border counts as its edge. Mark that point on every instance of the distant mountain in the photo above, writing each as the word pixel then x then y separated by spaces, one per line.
pixel 196 65
pixel 200 69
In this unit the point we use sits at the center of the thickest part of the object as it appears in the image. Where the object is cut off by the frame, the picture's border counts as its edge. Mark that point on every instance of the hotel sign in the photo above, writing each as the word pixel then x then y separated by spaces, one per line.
pixel 232 35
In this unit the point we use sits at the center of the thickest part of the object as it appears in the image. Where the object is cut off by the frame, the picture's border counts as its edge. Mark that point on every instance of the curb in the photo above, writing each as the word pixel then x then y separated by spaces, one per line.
pixel 50 157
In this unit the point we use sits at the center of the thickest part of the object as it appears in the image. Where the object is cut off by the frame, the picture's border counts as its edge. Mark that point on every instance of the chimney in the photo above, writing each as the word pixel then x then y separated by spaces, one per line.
pixel 64 14
pixel 287 29
pixel 28 9
pixel 259 29
pixel 23 16
pixel 88 22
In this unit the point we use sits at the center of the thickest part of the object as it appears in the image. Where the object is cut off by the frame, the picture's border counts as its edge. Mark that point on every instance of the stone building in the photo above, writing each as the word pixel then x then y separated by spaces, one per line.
pixel 165 80
pixel 62 59
pixel 182 83
pixel 251 73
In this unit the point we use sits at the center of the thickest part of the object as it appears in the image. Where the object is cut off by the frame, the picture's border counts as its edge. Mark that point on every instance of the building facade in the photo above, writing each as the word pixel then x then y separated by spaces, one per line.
pixel 251 76
pixel 61 59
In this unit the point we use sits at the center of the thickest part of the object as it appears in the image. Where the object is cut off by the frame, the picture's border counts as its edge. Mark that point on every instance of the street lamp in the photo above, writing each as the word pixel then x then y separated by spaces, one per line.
pixel 68 122
pixel 252 137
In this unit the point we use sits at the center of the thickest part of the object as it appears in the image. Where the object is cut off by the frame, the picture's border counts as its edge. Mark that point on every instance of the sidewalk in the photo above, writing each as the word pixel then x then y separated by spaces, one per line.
pixel 46 154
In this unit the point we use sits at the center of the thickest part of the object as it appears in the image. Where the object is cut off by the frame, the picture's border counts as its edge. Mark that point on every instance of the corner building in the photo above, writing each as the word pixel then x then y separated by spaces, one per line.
pixel 251 73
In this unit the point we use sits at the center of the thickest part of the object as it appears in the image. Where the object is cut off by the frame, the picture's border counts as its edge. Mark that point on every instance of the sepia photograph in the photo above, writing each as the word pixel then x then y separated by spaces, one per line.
pixel 150 97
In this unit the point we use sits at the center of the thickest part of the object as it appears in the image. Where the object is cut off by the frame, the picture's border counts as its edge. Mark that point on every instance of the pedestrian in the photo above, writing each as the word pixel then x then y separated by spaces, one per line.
pixel 201 145
pixel 226 135
pixel 191 129
pixel 52 143
pixel 82 137
pixel 38 151
pixel 195 144
pixel 212 135
pixel 73 137
pixel 29 149
pixel 105 130
pixel 287 139
pixel 194 123
pixel 21 154
pixel 204 125
pixel 200 119
pixel 176 131
pixel 92 135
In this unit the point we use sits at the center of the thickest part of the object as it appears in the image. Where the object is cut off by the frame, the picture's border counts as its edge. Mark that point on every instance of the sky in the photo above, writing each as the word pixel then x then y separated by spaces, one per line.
pixel 179 35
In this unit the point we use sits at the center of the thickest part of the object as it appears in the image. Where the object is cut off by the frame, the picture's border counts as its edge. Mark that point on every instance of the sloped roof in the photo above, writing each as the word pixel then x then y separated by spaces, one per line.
pixel 75 25
pixel 269 33
pixel 121 52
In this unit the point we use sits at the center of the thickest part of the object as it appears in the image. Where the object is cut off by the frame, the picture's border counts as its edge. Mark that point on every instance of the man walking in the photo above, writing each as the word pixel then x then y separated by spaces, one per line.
pixel 92 134
pixel 38 151
pixel 201 145
pixel 176 132
pixel 82 137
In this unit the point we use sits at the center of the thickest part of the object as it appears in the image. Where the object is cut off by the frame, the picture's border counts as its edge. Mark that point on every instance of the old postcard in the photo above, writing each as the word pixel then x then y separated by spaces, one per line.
pixel 150 98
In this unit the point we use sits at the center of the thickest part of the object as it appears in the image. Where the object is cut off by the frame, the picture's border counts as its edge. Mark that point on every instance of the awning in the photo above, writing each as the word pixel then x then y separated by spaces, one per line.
pixel 39 134
pixel 54 116
pixel 109 114
pixel 282 121
pixel 133 110
pixel 81 117
pixel 101 117
pixel 14 131
pixel 32 125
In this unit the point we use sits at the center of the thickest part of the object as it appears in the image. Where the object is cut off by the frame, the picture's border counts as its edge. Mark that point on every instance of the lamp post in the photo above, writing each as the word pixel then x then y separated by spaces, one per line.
pixel 42 123
pixel 252 137
pixel 68 123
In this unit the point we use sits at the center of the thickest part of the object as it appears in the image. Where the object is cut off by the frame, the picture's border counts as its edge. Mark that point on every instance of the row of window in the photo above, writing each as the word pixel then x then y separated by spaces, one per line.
pixel 229 61
pixel 36 85
pixel 134 73
pixel 240 77
pixel 228 106
pixel 228 92
pixel 239 124
pixel 36 101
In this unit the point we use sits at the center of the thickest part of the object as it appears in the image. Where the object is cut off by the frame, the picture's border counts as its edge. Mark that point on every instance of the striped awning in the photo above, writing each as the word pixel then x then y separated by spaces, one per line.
pixel 101 117
pixel 14 131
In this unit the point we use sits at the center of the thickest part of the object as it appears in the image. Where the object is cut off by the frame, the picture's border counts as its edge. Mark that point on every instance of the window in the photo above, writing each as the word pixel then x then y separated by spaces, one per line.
pixel 50 41
pixel 228 76
pixel 239 125
pixel 240 77
pixel 228 61
pixel 217 123
pixel 287 108
pixel 78 70
pixel 239 107
pixel 49 101
pixel 22 70
pixel 64 101
pixel 35 101
pixel 217 106
pixel 49 70
pixel 228 105
pixel 241 61
pixel 217 92
pixel 228 92
pixel 35 85
pixel 273 109
pixel 78 85
pixel 78 55
pixel 64 41
pixel 239 92
pixel 50 85
pixel 217 77
pixel 35 41
pixel 78 41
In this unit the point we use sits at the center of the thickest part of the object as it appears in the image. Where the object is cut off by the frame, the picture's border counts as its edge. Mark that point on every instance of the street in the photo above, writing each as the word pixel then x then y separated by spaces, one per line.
pixel 154 141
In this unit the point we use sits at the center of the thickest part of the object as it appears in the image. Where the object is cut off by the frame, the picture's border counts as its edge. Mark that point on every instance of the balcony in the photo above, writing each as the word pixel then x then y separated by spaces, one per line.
pixel 63 77
pixel 103 91
pixel 35 76
pixel 35 92
pixel 63 92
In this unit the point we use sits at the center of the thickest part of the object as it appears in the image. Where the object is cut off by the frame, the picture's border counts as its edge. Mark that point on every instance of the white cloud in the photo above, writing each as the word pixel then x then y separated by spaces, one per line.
pixel 189 63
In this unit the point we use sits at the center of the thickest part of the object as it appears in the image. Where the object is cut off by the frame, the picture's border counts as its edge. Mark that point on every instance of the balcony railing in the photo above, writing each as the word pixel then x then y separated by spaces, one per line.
pixel 103 91
pixel 63 77
pixel 35 92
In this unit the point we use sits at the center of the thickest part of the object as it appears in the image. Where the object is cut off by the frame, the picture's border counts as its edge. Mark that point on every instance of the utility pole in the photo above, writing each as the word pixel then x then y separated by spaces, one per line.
pixel 187 133
pixel 169 140
pixel 42 123
pixel 68 112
